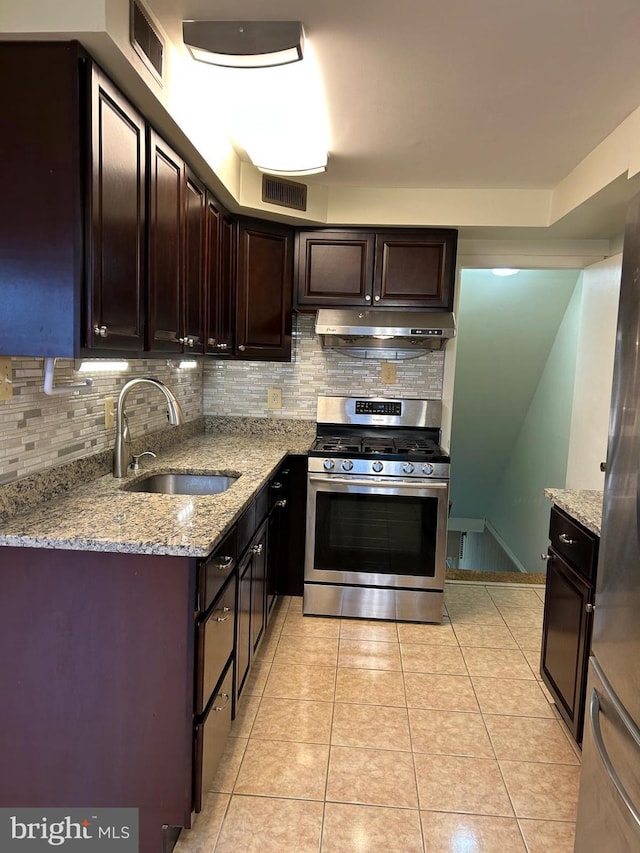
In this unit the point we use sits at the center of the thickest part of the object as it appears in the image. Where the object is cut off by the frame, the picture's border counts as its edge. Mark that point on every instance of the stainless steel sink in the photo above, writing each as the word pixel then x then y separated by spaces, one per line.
pixel 182 484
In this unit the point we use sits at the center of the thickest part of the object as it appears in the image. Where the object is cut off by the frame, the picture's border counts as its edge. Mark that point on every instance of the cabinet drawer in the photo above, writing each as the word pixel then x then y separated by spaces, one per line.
pixel 215 635
pixel 214 571
pixel 210 739
pixel 576 544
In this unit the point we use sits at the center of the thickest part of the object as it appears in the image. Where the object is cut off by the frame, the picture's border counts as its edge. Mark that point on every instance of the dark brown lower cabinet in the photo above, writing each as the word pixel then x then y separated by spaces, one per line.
pixel 210 738
pixel 568 617
pixel 97 689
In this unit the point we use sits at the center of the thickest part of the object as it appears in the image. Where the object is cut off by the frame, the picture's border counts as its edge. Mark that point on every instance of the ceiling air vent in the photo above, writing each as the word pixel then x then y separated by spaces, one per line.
pixel 146 41
pixel 283 192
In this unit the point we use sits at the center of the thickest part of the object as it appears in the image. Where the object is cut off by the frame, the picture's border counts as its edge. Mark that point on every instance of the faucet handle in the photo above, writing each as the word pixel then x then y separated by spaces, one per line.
pixel 134 465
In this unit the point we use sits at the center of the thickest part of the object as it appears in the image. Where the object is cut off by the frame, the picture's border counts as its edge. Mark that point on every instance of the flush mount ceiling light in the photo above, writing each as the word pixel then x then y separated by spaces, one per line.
pixel 504 271
pixel 244 44
pixel 291 173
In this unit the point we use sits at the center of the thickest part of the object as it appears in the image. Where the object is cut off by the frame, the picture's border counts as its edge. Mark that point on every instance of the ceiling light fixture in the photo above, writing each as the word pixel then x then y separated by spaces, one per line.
pixel 292 173
pixel 244 44
pixel 504 271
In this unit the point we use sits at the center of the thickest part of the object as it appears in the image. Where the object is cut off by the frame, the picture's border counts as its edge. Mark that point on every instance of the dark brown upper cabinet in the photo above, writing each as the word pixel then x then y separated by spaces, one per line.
pixel 165 328
pixel 116 199
pixel 72 223
pixel 263 318
pixel 195 237
pixel 408 268
pixel 220 281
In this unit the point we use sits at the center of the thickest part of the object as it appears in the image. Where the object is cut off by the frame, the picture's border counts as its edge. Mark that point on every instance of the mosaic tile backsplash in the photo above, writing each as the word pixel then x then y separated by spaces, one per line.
pixel 38 431
pixel 240 387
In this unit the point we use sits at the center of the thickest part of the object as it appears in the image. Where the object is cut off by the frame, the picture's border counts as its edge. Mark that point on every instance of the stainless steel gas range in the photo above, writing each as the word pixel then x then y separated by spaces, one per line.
pixel 377 507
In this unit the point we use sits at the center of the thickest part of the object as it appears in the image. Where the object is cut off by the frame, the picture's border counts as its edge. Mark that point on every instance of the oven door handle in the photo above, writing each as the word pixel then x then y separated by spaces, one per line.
pixel 404 484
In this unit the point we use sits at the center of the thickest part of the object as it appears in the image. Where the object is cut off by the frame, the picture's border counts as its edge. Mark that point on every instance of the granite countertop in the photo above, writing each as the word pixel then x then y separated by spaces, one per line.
pixel 101 515
pixel 582 504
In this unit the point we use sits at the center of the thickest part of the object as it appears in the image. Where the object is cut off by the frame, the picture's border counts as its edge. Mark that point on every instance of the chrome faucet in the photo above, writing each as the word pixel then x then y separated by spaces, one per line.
pixel 122 447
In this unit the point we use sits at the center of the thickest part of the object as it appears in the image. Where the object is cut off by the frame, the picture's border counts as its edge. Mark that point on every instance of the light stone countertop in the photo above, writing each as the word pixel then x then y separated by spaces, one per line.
pixel 101 516
pixel 582 504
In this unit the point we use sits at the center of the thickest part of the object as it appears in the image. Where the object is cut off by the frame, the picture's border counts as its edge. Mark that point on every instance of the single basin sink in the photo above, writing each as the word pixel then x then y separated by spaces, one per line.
pixel 183 484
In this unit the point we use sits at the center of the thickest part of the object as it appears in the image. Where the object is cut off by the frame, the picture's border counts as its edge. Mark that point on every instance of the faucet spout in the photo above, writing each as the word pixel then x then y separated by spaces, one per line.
pixel 122 446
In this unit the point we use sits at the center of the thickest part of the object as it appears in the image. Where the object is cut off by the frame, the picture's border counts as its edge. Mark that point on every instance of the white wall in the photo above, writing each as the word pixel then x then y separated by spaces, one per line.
pixel 594 373
pixel 538 458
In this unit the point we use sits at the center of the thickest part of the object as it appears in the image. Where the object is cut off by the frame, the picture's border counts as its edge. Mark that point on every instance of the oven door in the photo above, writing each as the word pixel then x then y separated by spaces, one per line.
pixel 379 532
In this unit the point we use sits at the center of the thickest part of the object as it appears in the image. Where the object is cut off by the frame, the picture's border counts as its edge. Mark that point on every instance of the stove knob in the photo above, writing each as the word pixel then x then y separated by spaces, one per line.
pixel 407 467
pixel 377 467
pixel 328 464
pixel 427 469
pixel 347 464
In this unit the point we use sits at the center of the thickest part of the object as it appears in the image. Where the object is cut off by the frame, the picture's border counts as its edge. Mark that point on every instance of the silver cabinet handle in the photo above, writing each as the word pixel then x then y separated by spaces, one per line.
pixel 227 611
pixel 276 485
pixel 376 299
pixel 224 563
pixel 242 347
pixel 594 714
pixel 589 608
pixel 545 556
pixel 367 298
pixel 257 549
pixel 281 504
pixel 101 331
pixel 224 696
pixel 567 541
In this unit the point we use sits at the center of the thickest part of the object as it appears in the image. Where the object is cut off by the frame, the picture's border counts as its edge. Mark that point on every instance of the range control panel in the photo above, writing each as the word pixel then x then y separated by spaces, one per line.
pixel 379 407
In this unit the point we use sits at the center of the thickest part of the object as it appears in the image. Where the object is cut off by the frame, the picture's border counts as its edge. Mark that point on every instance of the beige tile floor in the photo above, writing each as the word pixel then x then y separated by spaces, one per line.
pixel 361 736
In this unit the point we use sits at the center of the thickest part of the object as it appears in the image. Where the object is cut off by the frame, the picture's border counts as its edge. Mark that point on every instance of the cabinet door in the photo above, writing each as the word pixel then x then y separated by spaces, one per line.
pixel 243 623
pixel 334 268
pixel 194 246
pixel 165 274
pixel 220 281
pixel 265 262
pixel 566 638
pixel 210 738
pixel 115 245
pixel 259 586
pixel 415 269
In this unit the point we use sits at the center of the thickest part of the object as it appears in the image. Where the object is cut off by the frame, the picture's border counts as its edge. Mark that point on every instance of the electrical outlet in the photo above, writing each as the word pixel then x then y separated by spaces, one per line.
pixel 274 398
pixel 109 413
pixel 6 379
pixel 388 372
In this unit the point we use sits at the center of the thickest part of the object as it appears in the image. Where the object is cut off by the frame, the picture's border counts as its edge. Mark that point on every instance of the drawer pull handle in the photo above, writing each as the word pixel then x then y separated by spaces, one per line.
pixel 224 563
pixel 227 611
pixel 545 556
pixel 257 549
pixel 567 541
pixel 281 504
pixel 589 608
pixel 224 696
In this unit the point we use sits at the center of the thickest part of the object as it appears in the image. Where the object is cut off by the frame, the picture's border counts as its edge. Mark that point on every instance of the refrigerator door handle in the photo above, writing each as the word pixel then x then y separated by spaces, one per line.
pixel 594 714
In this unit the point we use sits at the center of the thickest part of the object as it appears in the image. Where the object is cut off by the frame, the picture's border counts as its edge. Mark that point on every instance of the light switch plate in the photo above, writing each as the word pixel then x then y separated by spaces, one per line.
pixel 274 398
pixel 6 379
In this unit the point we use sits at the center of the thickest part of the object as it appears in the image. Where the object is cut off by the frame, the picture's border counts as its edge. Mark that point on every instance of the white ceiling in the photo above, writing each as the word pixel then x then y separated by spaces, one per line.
pixel 457 94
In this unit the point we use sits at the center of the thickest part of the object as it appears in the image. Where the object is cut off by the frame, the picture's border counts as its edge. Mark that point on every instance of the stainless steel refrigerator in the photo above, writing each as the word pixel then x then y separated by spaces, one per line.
pixel 609 801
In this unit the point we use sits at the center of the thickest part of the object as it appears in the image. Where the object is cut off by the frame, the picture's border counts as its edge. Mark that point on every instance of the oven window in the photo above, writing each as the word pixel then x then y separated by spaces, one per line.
pixel 381 534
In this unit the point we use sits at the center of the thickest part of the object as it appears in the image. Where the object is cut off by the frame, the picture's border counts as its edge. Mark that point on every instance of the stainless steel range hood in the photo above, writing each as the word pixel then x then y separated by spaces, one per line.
pixel 381 334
